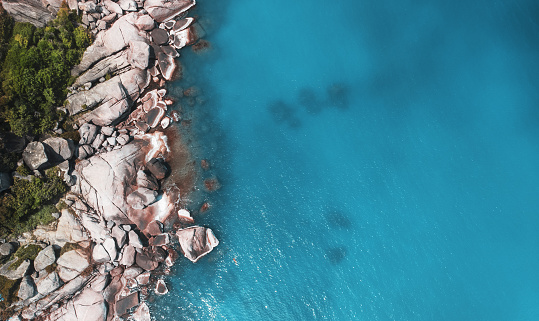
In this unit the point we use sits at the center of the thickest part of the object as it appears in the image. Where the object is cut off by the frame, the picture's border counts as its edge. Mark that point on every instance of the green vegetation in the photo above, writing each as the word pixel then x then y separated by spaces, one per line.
pixel 8 292
pixel 36 70
pixel 28 252
pixel 30 203
pixel 69 247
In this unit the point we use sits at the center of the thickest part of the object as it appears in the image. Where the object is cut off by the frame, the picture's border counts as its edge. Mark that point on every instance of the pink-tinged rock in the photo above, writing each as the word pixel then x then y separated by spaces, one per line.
pixel 169 24
pixel 175 116
pixel 141 198
pixel 128 5
pixel 148 181
pixel 128 256
pixel 134 240
pixel 183 24
pixel 161 104
pixel 162 10
pixel 184 215
pixel 154 228
pixel 196 242
pixel 154 71
pixel 90 305
pixel 123 305
pixel 73 260
pixel 161 92
pixel 170 51
pixel 160 240
pixel 146 262
pixel 166 65
pixel 132 272
pixel 100 254
pixel 161 287
pixel 165 122
pixel 100 282
pixel 171 258
pixel 184 38
pixel 144 278
pixel 138 54
pixel 154 116
pixel 145 22
pixel 113 7
pixel 142 313
pixel 159 36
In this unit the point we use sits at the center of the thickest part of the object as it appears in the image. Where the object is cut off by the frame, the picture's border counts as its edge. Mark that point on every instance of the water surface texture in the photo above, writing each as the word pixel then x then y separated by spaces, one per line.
pixel 379 161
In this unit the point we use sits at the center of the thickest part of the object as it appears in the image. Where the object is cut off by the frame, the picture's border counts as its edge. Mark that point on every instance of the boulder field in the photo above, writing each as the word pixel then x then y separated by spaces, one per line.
pixel 98 260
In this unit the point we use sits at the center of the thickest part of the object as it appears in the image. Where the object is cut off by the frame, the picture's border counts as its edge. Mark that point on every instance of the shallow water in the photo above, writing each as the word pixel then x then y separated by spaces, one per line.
pixel 378 162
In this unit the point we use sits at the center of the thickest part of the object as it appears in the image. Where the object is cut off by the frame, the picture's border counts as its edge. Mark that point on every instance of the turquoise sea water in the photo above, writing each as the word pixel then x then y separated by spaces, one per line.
pixel 379 161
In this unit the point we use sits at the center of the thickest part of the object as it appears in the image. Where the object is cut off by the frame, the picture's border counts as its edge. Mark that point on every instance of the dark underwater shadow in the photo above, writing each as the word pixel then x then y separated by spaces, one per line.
pixel 339 95
pixel 308 99
pixel 336 255
pixel 338 219
pixel 283 113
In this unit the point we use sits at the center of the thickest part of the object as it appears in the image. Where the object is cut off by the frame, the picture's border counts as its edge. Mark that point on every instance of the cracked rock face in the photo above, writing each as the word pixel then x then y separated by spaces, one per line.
pixel 196 241
pixel 32 11
pixel 166 10
pixel 45 258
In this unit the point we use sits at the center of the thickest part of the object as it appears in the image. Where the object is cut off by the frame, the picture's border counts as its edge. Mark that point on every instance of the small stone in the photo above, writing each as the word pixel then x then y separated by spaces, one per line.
pixel 111 141
pixel 6 249
pixel 45 257
pixel 128 256
pixel 134 240
pixel 161 287
pixel 123 139
pixel 27 288
pixel 49 283
pixel 144 278
pixel 107 131
pixel 123 305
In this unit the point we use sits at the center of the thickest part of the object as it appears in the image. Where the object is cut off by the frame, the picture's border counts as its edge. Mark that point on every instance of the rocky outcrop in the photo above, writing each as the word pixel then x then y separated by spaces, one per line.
pixel 69 229
pixel 72 264
pixel 162 11
pixel 35 156
pixel 45 258
pixel 196 241
pixel 27 289
pixel 59 149
pixel 32 11
pixel 8 271
pixel 48 283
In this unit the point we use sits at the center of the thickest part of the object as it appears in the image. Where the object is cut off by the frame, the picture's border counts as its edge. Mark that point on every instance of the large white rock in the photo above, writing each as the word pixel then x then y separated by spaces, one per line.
pixel 44 258
pixel 141 198
pixel 90 306
pixel 49 283
pixel 60 149
pixel 110 247
pixel 69 229
pixel 142 313
pixel 138 54
pixel 73 260
pixel 35 156
pixel 27 289
pixel 196 241
pixel 100 254
pixel 163 10
pixel 128 256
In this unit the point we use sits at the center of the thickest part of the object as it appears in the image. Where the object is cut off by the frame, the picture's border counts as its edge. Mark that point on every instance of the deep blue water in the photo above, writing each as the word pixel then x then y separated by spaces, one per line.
pixel 379 161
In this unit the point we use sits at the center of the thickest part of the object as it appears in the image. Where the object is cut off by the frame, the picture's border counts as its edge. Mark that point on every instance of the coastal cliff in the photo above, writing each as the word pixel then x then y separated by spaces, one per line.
pixel 119 225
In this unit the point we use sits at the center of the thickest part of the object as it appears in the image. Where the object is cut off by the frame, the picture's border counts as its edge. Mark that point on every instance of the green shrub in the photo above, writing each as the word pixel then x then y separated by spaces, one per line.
pixel 24 170
pixel 8 291
pixel 69 247
pixel 30 203
pixel 28 252
pixel 37 71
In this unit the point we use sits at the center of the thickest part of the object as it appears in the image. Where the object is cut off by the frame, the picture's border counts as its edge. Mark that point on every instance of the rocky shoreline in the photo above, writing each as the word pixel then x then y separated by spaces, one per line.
pixel 119 229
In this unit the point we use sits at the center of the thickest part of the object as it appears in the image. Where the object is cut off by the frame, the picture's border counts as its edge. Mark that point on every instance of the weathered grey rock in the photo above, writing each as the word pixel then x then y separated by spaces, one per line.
pixel 110 42
pixel 170 51
pixel 161 10
pixel 73 260
pixel 99 254
pixel 147 180
pixel 161 287
pixel 35 156
pixel 110 247
pixel 157 167
pixel 111 141
pixel 90 306
pixel 88 6
pixel 128 5
pixel 185 37
pixel 87 133
pixel 100 282
pixel 141 198
pixel 84 151
pixel 108 65
pixel 102 25
pixel 154 116
pixel 182 24
pixel 166 65
pixel 142 313
pixel 128 256
pixel 134 240
pixel 98 141
pixel 119 236
pixel 113 7
pixel 6 249
pixel 27 289
pixel 32 11
pixel 123 305
pixel 49 283
pixel 196 241
pixel 159 36
pixel 69 229
pixel 132 272
pixel 161 239
pixel 138 54
pixel 107 131
pixel 60 149
pixel 146 262
pixel 44 258
pixel 123 139
pixel 14 274
pixel 5 181
pixel 154 228
pixel 145 22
